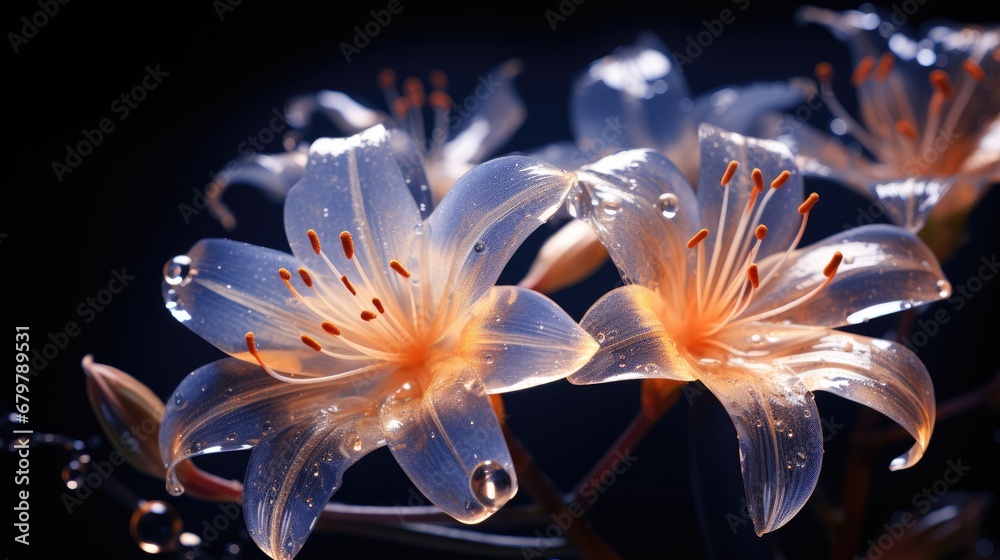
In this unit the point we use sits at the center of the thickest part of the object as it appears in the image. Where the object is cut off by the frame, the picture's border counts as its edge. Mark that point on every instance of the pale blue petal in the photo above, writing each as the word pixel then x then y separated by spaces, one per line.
pixel 780 438
pixel 293 472
pixel 519 338
pixel 449 442
pixel 481 222
pixel 885 269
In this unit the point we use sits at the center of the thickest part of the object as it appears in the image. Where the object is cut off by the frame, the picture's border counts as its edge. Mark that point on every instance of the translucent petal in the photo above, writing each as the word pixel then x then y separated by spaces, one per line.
pixel 879 374
pixel 343 111
pixel 633 343
pixel 273 174
pixel 643 211
pixel 780 437
pixel 482 221
pixel 230 405
pixel 496 112
pixel 518 338
pixel 885 269
pixel 570 255
pixel 908 202
pixel 232 288
pixel 631 98
pixel 566 155
pixel 450 444
pixel 355 184
pixel 411 165
pixel 718 148
pixel 293 472
pixel 740 108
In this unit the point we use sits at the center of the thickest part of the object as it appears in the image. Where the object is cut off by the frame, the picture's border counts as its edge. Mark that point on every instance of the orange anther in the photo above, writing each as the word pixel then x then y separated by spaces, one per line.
pixel 831 267
pixel 824 72
pixel 348 285
pixel 885 63
pixel 863 69
pixel 761 232
pixel 974 70
pixel 314 239
pixel 781 179
pixel 285 275
pixel 941 82
pixel 308 341
pixel 368 315
pixel 730 171
pixel 697 238
pixel 401 106
pixel 306 278
pixel 439 79
pixel 904 127
pixel 414 90
pixel 758 179
pixel 441 100
pixel 754 275
pixel 398 267
pixel 348 243
pixel 378 305
pixel 331 328
pixel 386 78
pixel 808 204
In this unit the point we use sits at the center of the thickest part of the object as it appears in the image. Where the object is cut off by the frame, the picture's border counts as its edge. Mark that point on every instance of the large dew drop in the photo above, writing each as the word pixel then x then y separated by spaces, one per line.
pixel 491 484
pixel 668 205
pixel 177 271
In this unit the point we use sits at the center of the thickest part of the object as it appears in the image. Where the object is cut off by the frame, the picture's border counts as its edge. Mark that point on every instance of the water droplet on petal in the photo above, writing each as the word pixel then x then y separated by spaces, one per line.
pixel 179 401
pixel 231 436
pixel 418 229
pixel 488 358
pixel 155 526
pixel 668 205
pixel 800 459
pixel 904 305
pixel 610 207
pixel 266 428
pixel 491 484
pixel 807 413
pixel 756 338
pixel 177 271
pixel 228 392
pixel 759 423
pixel 600 338
pixel 944 288
pixel 479 247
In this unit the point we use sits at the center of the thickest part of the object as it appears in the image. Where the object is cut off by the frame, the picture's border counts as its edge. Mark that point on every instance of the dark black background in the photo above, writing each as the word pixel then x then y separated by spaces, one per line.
pixel 119 208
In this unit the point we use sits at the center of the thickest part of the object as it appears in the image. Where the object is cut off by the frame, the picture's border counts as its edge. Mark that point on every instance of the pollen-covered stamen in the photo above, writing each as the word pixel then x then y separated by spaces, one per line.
pixel 697 238
pixel 753 274
pixel 348 244
pixel 761 232
pixel 378 305
pixel 974 70
pixel 311 342
pixel 413 89
pixel 330 328
pixel 252 348
pixel 368 315
pixel 398 267
pixel 804 209
pixel 781 179
pixel 905 129
pixel 941 83
pixel 829 272
pixel 884 66
pixel 386 78
pixel 730 171
pixel 717 247
pixel 314 241
pixel 347 283
pixel 306 278
pixel 824 73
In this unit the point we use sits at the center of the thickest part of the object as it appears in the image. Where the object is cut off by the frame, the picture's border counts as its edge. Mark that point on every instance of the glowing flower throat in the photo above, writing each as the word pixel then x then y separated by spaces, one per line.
pixel 355 328
pixel 722 293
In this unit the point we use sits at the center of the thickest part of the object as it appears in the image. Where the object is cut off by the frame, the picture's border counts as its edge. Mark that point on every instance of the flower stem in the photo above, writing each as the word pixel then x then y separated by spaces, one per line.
pixel 578 530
